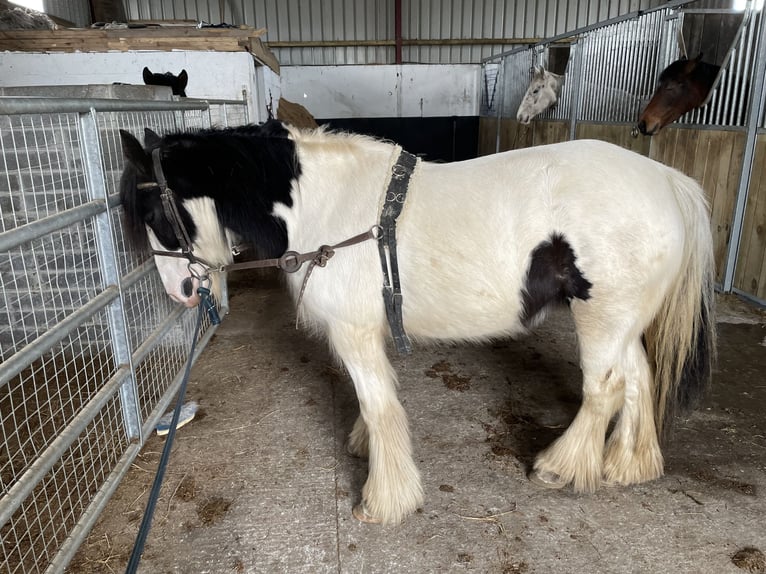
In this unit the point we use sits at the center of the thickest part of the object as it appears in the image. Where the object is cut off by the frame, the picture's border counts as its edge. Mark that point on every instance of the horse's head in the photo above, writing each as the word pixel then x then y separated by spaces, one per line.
pixel 683 86
pixel 542 93
pixel 149 219
pixel 176 83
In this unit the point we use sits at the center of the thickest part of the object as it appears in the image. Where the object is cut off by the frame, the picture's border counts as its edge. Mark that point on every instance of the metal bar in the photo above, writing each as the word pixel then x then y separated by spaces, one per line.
pixel 107 251
pixel 397 32
pixel 576 91
pixel 34 350
pixel 579 31
pixel 36 229
pixel 757 98
pixel 13 105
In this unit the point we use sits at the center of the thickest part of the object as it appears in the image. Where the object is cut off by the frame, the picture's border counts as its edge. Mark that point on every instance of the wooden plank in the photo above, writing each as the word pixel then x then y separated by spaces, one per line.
pixel 751 259
pixel 549 131
pixel 487 135
pixel 618 134
pixel 170 38
pixel 721 216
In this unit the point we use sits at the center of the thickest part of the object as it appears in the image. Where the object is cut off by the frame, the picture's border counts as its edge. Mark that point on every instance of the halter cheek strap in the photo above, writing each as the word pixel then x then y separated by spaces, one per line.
pixel 170 207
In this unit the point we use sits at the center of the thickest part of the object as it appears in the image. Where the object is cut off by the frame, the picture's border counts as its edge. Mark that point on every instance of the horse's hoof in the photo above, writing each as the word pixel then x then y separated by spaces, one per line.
pixel 360 513
pixel 546 479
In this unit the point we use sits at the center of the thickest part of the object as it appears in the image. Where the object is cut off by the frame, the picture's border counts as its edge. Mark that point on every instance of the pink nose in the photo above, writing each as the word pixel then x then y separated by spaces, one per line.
pixel 187 292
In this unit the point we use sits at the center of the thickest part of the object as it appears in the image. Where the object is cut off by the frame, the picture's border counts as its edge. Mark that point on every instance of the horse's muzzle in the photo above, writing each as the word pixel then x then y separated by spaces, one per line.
pixel 640 127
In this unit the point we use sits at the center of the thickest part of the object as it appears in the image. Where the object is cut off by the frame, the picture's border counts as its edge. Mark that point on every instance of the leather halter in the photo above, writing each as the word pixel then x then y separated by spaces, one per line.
pixel 292 261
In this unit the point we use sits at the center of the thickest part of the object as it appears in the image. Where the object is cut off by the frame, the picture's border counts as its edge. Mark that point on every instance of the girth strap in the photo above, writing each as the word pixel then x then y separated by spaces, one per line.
pixel 392 207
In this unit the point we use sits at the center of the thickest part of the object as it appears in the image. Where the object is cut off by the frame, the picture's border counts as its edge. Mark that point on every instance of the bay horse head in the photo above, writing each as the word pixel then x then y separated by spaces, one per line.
pixel 176 83
pixel 683 86
pixel 542 93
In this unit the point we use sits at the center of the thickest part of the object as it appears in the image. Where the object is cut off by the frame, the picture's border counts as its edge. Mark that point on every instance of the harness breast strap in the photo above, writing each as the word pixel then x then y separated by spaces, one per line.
pixel 392 207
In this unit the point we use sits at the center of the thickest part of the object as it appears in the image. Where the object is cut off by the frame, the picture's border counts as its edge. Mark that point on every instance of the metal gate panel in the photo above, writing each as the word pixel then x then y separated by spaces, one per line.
pixel 91 348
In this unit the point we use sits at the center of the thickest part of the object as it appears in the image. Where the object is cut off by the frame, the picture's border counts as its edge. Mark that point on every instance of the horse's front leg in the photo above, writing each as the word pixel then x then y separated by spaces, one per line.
pixel 393 489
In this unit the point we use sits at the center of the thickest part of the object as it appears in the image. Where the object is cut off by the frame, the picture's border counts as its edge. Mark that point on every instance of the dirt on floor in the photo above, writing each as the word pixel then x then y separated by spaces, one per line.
pixel 260 480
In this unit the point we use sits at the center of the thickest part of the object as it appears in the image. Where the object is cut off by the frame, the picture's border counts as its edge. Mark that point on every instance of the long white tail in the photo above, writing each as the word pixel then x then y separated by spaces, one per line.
pixel 681 338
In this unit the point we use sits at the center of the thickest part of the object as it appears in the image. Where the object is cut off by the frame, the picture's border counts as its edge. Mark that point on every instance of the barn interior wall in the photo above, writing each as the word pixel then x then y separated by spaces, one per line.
pixel 432 110
pixel 334 25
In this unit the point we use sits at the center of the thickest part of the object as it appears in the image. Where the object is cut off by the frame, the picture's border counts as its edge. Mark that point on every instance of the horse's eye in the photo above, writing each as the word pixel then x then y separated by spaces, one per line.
pixel 535 90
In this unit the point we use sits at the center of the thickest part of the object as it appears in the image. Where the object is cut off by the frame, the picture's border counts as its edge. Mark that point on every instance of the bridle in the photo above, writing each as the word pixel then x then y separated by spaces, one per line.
pixel 290 261
pixel 383 233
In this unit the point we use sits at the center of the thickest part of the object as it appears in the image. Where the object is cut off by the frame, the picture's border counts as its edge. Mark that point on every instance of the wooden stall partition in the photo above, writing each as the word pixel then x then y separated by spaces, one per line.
pixel 487 135
pixel 714 158
pixel 750 273
pixel 618 134
pixel 549 132
pixel 514 135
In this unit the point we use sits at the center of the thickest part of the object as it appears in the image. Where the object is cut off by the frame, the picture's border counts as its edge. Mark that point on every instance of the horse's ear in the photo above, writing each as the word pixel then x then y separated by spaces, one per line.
pixel 131 148
pixel 147 75
pixel 692 64
pixel 183 79
pixel 151 139
pixel 558 80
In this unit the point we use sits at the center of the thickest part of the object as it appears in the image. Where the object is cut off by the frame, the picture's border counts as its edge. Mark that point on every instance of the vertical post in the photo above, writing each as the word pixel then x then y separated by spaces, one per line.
pixel 755 113
pixel 500 100
pixel 107 252
pixel 398 31
pixel 575 55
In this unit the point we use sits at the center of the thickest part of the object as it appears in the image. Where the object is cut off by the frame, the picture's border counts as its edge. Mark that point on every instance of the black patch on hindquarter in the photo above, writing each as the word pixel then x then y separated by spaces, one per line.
pixel 553 278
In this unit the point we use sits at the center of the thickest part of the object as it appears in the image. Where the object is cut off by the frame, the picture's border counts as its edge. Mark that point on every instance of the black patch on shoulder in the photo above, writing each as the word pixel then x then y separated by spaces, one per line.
pixel 553 278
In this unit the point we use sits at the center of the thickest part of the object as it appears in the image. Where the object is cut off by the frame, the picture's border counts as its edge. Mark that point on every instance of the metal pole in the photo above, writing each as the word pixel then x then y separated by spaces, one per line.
pixel 576 56
pixel 107 251
pixel 754 116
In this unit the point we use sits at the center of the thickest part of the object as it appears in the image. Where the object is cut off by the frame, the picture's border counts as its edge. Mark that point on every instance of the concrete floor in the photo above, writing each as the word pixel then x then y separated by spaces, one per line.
pixel 260 480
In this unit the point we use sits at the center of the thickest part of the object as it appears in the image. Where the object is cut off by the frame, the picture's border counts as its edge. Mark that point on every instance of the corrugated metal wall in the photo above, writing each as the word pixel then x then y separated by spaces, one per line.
pixel 328 32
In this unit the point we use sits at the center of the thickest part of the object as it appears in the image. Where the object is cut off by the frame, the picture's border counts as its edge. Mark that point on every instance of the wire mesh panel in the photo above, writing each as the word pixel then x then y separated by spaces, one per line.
pixel 91 347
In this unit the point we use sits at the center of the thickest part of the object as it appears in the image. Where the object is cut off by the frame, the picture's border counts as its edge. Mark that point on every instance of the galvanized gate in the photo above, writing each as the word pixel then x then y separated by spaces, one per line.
pixel 611 72
pixel 91 347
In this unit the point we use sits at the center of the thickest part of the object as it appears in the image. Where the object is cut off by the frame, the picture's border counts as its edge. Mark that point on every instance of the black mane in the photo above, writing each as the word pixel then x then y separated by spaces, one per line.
pixel 245 170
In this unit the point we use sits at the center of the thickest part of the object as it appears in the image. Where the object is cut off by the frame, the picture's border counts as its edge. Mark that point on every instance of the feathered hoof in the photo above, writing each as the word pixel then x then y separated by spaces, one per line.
pixel 546 479
pixel 360 513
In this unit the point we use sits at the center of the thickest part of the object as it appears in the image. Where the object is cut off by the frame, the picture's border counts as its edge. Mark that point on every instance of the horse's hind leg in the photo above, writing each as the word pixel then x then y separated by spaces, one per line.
pixel 632 451
pixel 359 440
pixel 577 456
pixel 393 489
pixel 616 377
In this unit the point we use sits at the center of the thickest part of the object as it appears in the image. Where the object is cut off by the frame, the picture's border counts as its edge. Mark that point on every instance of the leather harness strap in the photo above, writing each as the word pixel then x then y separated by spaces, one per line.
pixel 392 208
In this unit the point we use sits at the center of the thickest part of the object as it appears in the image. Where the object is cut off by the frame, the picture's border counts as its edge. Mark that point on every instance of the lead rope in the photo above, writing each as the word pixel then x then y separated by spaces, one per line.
pixel 206 305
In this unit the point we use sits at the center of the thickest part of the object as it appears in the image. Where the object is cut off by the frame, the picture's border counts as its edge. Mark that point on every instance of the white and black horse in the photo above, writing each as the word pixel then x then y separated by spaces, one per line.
pixel 484 248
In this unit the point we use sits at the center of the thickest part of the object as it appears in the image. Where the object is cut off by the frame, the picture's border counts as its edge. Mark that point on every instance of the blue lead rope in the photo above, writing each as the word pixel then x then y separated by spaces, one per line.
pixel 206 306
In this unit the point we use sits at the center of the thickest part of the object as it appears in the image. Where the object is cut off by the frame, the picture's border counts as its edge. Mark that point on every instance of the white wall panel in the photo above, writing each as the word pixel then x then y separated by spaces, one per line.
pixel 384 91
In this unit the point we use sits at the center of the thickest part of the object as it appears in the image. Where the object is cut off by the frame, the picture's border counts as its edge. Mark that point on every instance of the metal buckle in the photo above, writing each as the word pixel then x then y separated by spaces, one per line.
pixel 289 262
